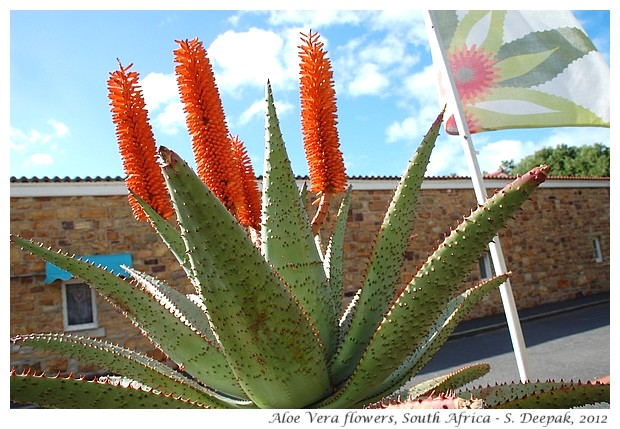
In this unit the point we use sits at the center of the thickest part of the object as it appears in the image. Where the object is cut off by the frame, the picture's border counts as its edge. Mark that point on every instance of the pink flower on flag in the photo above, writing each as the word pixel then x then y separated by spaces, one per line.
pixel 474 70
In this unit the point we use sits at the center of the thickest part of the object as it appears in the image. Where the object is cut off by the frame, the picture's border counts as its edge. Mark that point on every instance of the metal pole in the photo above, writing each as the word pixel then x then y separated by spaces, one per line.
pixel 495 249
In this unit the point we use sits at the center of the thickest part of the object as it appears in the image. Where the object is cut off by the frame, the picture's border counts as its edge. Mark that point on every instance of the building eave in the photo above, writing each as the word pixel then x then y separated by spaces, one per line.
pixel 107 187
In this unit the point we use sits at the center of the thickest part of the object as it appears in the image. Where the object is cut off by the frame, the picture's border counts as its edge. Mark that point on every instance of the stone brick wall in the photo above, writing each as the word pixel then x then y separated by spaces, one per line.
pixel 548 247
pixel 80 225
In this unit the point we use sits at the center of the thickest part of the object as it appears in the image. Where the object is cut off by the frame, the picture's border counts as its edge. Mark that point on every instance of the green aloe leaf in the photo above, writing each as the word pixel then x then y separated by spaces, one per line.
pixel 269 343
pixel 168 234
pixel 334 259
pixel 57 392
pixel 405 325
pixel 185 309
pixel 131 364
pixel 380 286
pixel 453 381
pixel 453 313
pixel 540 395
pixel 287 240
pixel 443 383
pixel 183 345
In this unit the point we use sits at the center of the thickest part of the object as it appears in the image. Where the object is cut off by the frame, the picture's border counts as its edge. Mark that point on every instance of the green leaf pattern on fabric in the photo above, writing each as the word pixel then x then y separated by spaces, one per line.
pixel 490 63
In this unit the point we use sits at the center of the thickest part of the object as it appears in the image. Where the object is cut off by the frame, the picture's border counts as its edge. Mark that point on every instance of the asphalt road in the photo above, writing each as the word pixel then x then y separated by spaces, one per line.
pixel 563 344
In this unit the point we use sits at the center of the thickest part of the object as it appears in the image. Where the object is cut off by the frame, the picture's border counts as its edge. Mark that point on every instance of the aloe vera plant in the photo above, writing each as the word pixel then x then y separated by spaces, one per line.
pixel 264 328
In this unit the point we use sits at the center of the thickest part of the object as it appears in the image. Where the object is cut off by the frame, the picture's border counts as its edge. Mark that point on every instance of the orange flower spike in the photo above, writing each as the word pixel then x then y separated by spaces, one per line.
pixel 249 211
pixel 318 122
pixel 137 144
pixel 206 123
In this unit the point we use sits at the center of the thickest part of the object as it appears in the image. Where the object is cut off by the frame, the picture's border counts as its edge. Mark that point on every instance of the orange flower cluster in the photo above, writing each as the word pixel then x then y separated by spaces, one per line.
pixel 319 118
pixel 137 144
pixel 216 159
pixel 248 210
pixel 206 122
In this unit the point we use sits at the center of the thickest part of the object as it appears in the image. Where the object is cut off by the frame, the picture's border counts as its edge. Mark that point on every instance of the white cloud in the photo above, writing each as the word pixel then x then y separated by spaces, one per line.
pixel 490 156
pixel 283 107
pixel 256 109
pixel 577 136
pixel 248 58
pixel 422 86
pixel 447 158
pixel 35 147
pixel 60 129
pixel 162 100
pixel 316 18
pixel 172 119
pixel 34 136
pixel 402 130
pixel 412 128
pixel 409 24
pixel 40 159
pixel 389 50
pixel 158 89
pixel 368 81
pixel 372 65
pixel 17 139
pixel 20 139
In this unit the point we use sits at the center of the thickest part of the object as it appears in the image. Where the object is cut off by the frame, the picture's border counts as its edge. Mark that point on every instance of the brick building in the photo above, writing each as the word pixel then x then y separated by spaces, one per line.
pixel 557 248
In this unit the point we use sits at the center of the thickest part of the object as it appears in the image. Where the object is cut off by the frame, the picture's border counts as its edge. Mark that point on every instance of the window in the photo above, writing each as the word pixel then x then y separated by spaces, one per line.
pixel 598 254
pixel 486 269
pixel 79 306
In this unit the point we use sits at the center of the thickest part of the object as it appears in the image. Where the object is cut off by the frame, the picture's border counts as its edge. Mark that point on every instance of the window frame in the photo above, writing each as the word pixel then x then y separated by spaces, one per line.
pixel 65 309
pixel 598 251
pixel 485 264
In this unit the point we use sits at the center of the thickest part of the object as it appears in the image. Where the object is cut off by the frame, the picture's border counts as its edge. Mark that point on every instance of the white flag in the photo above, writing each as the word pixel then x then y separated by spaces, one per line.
pixel 521 69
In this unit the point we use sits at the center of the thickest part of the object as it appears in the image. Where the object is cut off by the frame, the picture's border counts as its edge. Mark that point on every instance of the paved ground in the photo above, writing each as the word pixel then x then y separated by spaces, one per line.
pixel 569 341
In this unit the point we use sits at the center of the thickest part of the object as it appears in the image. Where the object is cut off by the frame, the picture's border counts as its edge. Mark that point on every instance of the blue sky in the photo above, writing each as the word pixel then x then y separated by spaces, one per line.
pixel 60 124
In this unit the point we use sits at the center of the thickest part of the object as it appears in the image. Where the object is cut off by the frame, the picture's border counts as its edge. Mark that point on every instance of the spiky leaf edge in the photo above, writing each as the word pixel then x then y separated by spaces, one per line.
pixel 442 384
pixel 437 335
pixel 418 306
pixel 183 345
pixel 333 263
pixel 59 392
pixel 539 395
pixel 179 304
pixel 287 240
pixel 379 287
pixel 269 342
pixel 131 364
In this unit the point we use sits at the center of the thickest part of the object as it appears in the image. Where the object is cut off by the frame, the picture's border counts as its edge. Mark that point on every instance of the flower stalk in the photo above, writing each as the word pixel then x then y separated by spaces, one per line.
pixel 318 122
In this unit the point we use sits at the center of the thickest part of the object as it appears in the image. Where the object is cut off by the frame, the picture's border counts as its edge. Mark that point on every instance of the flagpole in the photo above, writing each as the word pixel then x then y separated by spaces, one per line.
pixel 497 256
